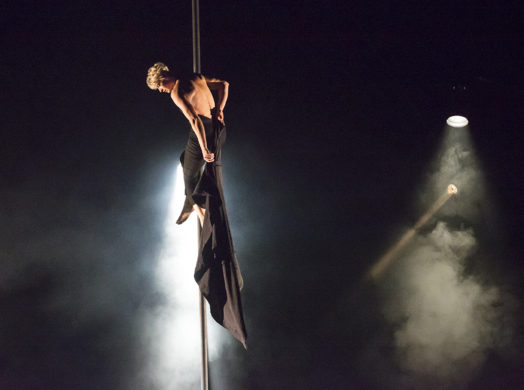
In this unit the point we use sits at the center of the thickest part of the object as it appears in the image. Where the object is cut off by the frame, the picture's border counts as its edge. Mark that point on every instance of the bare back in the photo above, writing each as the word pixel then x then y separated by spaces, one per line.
pixel 193 96
pixel 198 94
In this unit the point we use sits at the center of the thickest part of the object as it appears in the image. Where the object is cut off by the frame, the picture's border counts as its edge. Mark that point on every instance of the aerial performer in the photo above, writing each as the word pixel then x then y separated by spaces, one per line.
pixel 217 272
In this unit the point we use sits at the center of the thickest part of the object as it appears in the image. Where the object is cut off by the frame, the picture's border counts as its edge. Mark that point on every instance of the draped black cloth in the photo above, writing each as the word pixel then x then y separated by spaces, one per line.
pixel 217 272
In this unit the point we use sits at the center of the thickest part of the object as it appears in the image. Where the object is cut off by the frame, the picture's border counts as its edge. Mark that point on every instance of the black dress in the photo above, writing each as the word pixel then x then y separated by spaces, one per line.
pixel 217 272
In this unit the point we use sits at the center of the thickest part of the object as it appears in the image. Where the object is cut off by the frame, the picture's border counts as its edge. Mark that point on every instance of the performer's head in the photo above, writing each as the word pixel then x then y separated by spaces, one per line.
pixel 159 77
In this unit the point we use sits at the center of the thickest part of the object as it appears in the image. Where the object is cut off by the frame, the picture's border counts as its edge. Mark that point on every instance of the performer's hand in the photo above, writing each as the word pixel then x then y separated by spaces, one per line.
pixel 208 156
pixel 220 115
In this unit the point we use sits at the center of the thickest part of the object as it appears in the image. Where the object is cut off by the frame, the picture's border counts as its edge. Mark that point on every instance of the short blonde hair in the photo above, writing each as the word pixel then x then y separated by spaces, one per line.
pixel 156 74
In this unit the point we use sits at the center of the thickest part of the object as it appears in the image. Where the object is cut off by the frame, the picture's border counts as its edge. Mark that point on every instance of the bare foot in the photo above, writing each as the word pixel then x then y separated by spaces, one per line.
pixel 186 212
pixel 183 217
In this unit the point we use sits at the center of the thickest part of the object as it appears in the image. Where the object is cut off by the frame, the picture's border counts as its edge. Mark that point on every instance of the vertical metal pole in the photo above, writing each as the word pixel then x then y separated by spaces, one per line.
pixel 196 35
pixel 203 333
pixel 195 8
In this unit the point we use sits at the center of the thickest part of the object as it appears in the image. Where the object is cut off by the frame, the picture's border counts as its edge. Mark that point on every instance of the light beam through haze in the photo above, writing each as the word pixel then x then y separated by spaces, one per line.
pixel 175 329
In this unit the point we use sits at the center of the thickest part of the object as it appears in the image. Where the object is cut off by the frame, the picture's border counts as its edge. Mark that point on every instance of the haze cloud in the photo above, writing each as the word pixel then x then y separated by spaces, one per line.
pixel 75 281
pixel 457 164
pixel 445 320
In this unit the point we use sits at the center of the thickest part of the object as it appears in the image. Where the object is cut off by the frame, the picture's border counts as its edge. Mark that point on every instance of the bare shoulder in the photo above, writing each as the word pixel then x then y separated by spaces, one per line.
pixel 182 91
pixel 199 79
pixel 189 83
pixel 211 80
pixel 214 83
pixel 177 94
pixel 185 86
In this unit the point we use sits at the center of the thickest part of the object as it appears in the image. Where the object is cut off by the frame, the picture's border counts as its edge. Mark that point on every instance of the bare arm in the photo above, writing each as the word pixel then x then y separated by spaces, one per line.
pixel 222 89
pixel 196 123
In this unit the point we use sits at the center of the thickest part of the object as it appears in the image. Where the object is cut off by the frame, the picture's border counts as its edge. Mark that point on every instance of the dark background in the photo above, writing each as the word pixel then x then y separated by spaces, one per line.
pixel 336 110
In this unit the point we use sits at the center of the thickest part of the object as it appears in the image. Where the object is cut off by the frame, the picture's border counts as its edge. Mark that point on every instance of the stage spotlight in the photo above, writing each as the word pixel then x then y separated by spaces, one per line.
pixel 458 103
pixel 457 121
pixel 452 189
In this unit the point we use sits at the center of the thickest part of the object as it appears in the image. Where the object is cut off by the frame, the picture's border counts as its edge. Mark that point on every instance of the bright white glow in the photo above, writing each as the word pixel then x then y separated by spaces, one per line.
pixel 175 342
pixel 457 121
pixel 452 189
pixel 176 339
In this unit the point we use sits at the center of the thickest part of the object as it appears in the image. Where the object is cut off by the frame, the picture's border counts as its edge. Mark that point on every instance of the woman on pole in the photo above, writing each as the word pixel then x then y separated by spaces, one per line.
pixel 217 272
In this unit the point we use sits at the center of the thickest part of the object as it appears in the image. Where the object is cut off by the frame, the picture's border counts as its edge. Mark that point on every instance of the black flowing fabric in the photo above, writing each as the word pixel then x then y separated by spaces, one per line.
pixel 217 272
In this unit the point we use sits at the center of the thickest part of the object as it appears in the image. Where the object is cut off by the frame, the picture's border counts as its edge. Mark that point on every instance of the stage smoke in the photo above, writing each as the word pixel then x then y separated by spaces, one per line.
pixel 445 321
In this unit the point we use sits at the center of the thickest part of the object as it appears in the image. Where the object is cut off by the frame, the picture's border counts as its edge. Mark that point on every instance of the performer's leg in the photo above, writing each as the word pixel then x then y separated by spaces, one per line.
pixel 192 165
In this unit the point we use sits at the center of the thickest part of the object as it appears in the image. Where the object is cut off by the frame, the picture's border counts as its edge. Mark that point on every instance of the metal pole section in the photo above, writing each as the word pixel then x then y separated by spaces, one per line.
pixel 203 333
pixel 195 8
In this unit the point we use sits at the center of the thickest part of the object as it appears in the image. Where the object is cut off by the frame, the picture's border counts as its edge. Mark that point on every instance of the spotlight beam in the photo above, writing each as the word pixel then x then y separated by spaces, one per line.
pixel 385 261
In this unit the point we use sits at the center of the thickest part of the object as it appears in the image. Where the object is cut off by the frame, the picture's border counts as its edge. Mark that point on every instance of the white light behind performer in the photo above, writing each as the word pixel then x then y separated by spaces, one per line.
pixel 174 331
